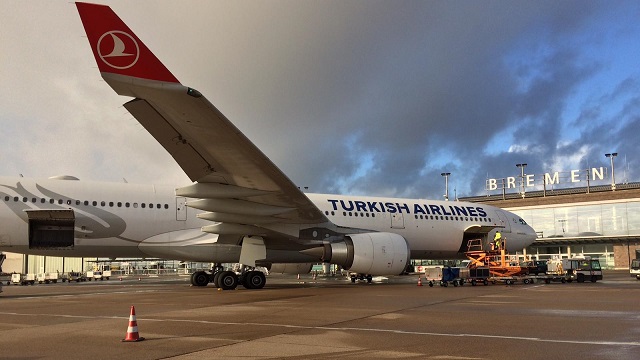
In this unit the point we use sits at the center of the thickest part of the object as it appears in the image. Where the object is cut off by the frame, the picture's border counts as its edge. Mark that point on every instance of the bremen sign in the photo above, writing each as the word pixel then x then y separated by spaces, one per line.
pixel 531 180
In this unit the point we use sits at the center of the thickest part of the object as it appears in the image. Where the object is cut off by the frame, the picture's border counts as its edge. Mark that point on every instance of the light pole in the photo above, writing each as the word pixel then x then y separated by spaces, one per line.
pixel 613 176
pixel 446 185
pixel 521 167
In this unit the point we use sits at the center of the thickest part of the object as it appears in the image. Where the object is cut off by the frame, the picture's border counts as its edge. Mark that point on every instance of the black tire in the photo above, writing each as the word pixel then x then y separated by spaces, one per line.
pixel 580 278
pixel 594 279
pixel 455 283
pixel 547 281
pixel 254 280
pixel 191 279
pixel 525 281
pixel 485 282
pixel 369 279
pixel 216 279
pixel 430 283
pixel 200 278
pixel 473 282
pixel 461 282
pixel 228 280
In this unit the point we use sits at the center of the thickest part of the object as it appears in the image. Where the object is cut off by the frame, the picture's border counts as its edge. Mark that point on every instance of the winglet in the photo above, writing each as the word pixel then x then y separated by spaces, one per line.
pixel 116 48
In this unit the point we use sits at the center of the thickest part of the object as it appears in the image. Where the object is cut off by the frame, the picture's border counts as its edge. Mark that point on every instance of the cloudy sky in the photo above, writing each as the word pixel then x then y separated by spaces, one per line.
pixel 354 97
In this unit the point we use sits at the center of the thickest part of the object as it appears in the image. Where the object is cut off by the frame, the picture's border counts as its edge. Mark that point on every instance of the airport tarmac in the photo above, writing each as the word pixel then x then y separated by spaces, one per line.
pixel 323 319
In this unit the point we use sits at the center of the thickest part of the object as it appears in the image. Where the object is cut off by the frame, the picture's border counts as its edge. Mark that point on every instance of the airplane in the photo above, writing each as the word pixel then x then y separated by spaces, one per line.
pixel 240 208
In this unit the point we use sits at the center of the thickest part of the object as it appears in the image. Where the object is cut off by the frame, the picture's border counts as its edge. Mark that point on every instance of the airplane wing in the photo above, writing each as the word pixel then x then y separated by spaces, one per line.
pixel 235 181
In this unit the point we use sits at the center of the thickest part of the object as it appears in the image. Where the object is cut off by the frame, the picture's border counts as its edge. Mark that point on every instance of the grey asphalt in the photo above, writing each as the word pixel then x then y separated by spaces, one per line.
pixel 323 319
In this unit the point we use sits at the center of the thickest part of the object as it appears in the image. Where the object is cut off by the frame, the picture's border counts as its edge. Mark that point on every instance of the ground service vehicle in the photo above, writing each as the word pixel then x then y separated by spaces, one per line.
pixel 23 279
pixel 634 269
pixel 581 269
pixel 76 276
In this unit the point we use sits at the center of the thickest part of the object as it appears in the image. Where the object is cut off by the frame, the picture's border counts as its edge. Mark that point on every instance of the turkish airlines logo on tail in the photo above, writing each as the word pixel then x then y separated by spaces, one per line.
pixel 118 49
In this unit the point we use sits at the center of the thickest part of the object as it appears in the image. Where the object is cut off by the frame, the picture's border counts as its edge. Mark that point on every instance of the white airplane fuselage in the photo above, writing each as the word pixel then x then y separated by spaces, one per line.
pixel 117 220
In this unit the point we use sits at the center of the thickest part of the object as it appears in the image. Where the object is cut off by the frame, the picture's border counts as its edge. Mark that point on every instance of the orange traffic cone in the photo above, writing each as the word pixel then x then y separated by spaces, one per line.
pixel 132 330
pixel 419 281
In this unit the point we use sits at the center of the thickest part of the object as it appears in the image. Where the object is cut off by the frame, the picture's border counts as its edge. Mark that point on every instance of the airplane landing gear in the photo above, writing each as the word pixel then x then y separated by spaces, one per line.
pixel 199 278
pixel 361 277
pixel 253 279
pixel 229 280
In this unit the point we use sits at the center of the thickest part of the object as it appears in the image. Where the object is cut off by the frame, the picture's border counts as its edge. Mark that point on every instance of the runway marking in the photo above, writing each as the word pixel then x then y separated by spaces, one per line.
pixel 40 297
pixel 334 328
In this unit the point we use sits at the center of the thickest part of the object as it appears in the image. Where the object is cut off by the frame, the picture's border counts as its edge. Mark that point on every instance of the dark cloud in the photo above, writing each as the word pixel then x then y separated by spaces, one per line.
pixel 364 97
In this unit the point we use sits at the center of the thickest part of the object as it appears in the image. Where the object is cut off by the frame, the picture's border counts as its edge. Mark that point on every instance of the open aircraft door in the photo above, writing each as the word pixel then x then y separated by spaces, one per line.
pixel 51 229
pixel 475 232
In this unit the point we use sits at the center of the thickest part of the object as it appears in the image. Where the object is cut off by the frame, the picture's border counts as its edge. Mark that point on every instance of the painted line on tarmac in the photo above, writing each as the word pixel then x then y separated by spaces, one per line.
pixel 53 296
pixel 333 328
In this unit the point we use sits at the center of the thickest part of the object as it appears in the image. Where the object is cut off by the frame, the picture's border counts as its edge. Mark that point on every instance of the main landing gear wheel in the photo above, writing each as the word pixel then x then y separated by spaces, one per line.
pixel 199 278
pixel 228 280
pixel 216 279
pixel 254 280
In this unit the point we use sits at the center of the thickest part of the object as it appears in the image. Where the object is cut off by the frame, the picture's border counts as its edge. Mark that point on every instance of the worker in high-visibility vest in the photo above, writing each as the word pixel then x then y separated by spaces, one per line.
pixel 497 240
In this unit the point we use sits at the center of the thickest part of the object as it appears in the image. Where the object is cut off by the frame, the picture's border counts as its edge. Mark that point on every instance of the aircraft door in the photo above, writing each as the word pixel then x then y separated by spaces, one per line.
pixel 51 229
pixel 181 209
pixel 397 221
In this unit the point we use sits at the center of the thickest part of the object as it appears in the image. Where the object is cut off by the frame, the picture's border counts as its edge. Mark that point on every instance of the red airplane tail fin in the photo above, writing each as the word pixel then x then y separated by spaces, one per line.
pixel 116 48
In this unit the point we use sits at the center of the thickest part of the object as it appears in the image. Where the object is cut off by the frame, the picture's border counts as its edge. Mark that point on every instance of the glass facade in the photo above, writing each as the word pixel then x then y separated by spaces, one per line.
pixel 578 222
pixel 606 219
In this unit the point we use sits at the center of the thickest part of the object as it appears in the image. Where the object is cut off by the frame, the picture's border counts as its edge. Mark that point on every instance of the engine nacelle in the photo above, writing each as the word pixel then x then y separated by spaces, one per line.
pixel 377 253
pixel 303 268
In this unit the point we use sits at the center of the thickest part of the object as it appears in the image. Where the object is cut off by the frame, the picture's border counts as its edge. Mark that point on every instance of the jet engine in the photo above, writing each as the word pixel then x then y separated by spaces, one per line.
pixel 369 253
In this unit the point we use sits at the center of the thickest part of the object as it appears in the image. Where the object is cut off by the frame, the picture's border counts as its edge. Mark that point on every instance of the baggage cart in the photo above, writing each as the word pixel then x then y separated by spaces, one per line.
pixel 433 274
